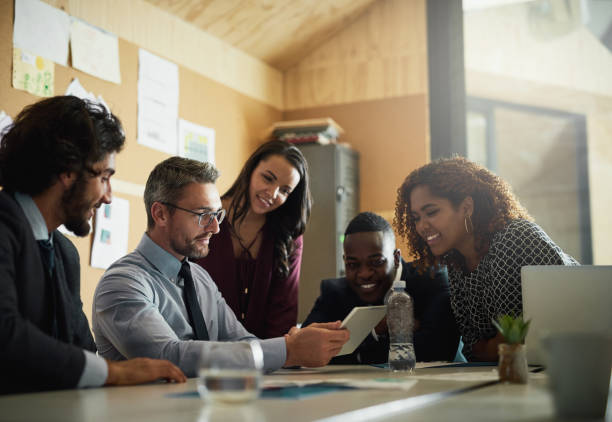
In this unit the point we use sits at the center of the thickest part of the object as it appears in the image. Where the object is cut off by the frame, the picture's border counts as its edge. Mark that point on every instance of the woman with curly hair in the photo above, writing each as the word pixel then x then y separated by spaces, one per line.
pixel 457 213
pixel 255 259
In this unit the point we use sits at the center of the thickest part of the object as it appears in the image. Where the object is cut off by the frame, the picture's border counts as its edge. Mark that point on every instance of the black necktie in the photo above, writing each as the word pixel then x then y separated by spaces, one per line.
pixel 48 257
pixel 191 301
pixel 46 250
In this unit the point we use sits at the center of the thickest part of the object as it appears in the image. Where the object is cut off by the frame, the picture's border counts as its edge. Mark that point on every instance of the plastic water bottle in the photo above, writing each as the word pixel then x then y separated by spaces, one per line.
pixel 400 321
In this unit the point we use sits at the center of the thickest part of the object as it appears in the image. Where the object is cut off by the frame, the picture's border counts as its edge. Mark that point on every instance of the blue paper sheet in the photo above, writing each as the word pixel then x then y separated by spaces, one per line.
pixel 292 393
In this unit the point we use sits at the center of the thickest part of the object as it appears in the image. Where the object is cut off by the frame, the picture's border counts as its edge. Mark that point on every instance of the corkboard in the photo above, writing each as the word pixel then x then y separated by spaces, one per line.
pixel 238 120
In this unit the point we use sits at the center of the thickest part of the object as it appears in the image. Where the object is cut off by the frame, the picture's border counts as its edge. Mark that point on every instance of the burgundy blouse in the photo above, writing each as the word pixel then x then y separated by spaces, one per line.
pixel 266 305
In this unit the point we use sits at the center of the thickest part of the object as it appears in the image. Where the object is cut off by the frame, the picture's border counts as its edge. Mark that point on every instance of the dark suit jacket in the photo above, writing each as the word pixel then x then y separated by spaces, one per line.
pixel 31 359
pixel 437 337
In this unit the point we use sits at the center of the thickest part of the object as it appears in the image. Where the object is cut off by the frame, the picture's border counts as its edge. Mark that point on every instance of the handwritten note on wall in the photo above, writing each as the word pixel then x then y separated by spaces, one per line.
pixel 33 73
pixel 94 51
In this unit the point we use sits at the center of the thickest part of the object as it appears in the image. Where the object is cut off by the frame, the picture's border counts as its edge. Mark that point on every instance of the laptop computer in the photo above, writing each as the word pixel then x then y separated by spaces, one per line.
pixel 565 298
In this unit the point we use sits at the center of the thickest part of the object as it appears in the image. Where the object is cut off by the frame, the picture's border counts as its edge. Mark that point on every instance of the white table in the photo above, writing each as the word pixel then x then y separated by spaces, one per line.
pixel 451 393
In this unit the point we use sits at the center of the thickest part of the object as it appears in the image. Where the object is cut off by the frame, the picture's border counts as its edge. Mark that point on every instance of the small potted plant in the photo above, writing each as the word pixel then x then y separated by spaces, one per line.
pixel 512 366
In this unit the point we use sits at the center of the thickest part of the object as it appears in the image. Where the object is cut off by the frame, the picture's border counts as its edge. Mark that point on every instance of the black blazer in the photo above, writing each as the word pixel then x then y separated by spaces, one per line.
pixel 437 337
pixel 31 359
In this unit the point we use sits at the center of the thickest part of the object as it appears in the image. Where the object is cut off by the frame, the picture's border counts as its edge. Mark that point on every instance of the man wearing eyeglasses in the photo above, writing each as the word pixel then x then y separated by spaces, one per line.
pixel 154 303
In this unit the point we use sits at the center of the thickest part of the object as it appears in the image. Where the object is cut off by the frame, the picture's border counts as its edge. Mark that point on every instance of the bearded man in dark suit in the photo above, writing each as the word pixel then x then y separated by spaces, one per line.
pixel 56 161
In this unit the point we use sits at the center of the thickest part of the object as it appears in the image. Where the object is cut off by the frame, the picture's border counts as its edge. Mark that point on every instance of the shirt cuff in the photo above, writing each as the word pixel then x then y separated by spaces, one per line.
pixel 374 334
pixel 95 371
pixel 275 353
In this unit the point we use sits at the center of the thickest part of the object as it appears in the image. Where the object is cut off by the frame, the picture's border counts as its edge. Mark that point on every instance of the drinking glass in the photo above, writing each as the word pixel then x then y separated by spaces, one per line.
pixel 231 372
pixel 579 367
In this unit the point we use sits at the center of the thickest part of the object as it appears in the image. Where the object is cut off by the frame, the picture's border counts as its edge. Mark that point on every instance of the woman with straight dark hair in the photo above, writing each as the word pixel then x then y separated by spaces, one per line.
pixel 255 259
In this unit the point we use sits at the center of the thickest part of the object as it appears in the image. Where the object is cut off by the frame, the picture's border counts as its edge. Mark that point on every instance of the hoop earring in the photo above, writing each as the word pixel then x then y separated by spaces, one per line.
pixel 465 221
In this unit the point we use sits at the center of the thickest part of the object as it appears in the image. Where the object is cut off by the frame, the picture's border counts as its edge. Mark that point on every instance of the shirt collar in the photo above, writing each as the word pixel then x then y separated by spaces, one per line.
pixel 34 217
pixel 159 257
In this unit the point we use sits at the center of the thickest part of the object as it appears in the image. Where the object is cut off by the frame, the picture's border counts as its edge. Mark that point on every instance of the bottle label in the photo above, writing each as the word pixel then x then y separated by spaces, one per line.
pixel 401 356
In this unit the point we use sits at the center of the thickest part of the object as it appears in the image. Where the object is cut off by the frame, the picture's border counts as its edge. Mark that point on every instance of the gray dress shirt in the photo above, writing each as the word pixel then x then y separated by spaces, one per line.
pixel 138 311
pixel 95 371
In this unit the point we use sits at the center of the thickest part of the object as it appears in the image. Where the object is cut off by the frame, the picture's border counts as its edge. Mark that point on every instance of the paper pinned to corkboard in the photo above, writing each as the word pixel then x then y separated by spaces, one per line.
pixel 33 73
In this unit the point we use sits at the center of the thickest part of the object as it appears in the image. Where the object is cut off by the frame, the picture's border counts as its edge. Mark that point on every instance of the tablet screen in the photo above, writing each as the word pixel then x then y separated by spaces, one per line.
pixel 360 322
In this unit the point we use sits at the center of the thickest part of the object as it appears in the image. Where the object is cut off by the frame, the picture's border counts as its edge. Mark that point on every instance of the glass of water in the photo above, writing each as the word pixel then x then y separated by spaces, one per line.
pixel 231 372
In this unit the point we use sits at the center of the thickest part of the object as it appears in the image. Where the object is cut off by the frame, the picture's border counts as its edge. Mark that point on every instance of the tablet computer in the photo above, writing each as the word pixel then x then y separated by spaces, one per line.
pixel 360 322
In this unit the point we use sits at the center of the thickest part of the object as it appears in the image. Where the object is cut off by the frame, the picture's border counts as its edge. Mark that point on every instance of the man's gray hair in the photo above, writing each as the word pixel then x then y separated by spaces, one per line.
pixel 168 178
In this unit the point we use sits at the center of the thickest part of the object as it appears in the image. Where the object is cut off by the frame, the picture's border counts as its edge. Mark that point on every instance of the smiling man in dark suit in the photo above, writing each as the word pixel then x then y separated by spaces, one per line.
pixel 371 261
pixel 56 161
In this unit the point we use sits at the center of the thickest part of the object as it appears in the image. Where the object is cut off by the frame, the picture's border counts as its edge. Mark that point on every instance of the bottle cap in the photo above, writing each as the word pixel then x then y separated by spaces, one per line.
pixel 399 284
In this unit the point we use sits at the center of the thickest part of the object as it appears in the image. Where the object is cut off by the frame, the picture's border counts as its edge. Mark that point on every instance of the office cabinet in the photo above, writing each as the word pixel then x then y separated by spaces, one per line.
pixel 334 184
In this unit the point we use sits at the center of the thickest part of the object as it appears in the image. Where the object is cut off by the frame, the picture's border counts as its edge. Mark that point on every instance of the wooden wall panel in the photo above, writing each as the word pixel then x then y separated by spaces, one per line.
pixel 278 32
pixel 390 136
pixel 383 54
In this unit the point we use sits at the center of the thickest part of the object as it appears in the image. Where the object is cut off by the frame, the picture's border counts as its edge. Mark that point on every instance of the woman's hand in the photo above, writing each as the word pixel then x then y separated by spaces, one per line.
pixel 486 350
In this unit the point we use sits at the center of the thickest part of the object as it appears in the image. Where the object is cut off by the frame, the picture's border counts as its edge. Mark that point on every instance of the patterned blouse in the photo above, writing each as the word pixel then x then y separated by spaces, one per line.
pixel 494 287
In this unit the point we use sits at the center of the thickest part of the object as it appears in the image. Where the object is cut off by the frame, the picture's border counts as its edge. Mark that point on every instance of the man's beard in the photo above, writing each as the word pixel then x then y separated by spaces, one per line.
pixel 76 207
pixel 188 249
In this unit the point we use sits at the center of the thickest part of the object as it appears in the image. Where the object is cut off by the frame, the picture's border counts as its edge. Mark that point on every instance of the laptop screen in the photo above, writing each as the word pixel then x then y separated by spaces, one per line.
pixel 565 298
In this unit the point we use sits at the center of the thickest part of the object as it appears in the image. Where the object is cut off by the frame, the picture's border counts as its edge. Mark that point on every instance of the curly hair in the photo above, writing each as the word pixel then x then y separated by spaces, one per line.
pixel 53 136
pixel 455 179
pixel 288 221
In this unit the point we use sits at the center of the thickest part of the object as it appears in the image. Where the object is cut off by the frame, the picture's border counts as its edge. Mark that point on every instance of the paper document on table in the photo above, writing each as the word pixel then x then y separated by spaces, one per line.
pixel 385 383
pixel 94 51
pixel 360 322
pixel 42 30
pixel 111 238
pixel 158 96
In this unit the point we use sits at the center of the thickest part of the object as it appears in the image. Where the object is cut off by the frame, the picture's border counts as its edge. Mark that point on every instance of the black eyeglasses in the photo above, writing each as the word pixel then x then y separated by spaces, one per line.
pixel 218 215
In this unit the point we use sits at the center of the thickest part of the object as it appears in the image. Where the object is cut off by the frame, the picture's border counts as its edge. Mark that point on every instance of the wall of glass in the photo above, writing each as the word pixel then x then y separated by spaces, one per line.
pixel 539 111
